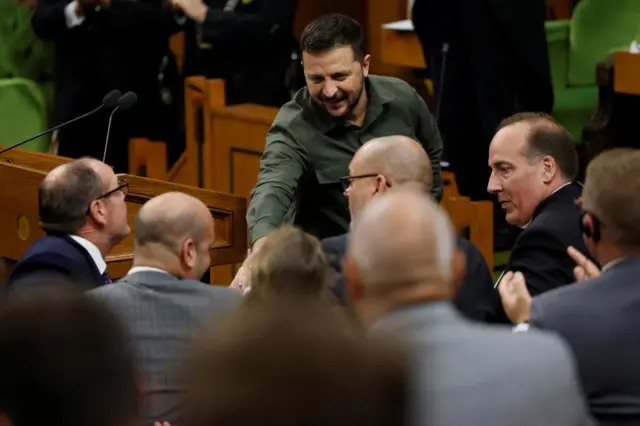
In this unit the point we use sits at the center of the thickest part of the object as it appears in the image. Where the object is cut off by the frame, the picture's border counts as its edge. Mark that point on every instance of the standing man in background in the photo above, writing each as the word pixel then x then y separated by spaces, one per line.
pixel 101 45
pixel 305 166
pixel 488 61
pixel 247 43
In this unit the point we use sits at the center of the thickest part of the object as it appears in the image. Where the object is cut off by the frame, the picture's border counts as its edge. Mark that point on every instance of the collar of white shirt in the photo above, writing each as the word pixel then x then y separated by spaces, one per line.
pixel 612 264
pixel 93 252
pixel 137 269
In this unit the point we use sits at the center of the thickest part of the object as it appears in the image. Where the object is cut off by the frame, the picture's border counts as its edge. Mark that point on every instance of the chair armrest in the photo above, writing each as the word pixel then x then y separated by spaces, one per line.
pixel 558 30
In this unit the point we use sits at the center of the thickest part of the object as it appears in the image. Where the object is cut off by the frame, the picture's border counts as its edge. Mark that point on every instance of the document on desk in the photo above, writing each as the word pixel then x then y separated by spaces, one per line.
pixel 404 25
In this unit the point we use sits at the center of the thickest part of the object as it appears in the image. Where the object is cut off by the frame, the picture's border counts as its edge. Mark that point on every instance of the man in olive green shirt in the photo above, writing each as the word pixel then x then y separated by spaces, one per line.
pixel 304 168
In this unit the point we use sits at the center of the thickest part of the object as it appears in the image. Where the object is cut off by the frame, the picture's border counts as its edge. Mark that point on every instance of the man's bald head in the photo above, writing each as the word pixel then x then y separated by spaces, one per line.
pixel 403 160
pixel 65 194
pixel 402 239
pixel 169 218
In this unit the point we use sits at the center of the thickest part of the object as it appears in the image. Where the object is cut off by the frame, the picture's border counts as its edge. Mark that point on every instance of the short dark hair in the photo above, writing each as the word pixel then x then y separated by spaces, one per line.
pixel 330 31
pixel 65 360
pixel 63 202
pixel 548 137
pixel 297 363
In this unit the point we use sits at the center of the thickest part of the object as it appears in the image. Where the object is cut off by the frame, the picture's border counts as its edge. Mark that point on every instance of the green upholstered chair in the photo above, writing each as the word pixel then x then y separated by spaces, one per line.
pixel 23 113
pixel 26 65
pixel 596 29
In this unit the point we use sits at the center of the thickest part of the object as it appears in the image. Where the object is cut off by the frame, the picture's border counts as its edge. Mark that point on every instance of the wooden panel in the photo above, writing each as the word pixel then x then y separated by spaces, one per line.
pixel 381 12
pixel 401 48
pixel 243 171
pixel 626 73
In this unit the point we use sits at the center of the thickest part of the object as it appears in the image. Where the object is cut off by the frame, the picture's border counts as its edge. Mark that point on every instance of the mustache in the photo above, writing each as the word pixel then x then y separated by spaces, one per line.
pixel 335 98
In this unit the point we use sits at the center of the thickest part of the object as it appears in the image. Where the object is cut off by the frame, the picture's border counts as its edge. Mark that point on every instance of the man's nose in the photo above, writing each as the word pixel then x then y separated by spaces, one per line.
pixel 329 89
pixel 494 185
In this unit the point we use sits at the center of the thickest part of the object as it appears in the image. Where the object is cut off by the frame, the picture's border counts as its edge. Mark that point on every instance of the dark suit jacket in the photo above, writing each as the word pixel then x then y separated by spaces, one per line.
pixel 540 251
pixel 54 259
pixel 600 319
pixel 475 295
pixel 121 47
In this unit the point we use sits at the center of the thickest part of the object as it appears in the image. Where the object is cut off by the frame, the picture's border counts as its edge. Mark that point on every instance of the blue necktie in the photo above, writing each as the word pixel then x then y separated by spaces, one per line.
pixel 106 278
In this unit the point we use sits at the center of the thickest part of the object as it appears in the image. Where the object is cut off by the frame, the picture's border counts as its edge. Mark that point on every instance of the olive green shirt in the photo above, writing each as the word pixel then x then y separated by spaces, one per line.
pixel 308 151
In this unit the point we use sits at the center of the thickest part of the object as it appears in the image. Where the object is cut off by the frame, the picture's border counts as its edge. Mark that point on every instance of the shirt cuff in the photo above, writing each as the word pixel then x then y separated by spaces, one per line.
pixel 260 230
pixel 71 16
pixel 523 326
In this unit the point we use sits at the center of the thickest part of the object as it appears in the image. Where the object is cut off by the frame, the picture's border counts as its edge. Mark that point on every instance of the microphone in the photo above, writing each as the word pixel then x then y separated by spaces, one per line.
pixel 125 102
pixel 109 101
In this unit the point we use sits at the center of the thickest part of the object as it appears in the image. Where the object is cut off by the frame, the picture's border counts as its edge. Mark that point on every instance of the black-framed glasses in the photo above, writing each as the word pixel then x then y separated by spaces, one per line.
pixel 123 186
pixel 346 180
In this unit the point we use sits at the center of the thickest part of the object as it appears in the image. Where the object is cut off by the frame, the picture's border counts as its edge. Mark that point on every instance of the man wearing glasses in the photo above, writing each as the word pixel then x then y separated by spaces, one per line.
pixel 82 209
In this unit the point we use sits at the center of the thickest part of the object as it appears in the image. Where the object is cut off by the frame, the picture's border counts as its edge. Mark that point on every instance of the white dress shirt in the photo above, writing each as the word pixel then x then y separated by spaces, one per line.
pixel 137 269
pixel 71 17
pixel 93 252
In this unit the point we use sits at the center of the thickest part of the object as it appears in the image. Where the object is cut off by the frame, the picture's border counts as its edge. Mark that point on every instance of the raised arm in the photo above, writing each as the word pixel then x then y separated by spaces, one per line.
pixel 282 165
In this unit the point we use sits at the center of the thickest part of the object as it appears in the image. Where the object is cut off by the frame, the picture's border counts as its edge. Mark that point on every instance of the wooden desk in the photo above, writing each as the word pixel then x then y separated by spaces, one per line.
pixel 401 48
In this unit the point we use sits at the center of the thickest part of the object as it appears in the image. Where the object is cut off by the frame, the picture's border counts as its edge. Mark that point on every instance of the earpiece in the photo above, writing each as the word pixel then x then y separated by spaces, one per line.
pixel 590 228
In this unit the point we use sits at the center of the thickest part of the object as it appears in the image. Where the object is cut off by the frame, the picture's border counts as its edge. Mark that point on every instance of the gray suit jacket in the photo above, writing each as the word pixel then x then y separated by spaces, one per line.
pixel 600 319
pixel 164 315
pixel 474 374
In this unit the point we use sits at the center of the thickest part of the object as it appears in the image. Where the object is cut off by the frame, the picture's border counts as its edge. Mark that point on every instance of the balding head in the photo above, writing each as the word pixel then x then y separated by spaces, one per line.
pixel 78 198
pixel 174 232
pixel 396 162
pixel 402 240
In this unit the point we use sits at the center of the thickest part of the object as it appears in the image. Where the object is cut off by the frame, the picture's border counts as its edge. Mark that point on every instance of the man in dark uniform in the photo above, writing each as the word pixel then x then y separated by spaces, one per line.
pixel 247 43
pixel 101 45
pixel 314 137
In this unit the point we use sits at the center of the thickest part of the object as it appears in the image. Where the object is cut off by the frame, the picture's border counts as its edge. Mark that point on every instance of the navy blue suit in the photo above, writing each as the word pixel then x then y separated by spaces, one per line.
pixel 475 295
pixel 54 259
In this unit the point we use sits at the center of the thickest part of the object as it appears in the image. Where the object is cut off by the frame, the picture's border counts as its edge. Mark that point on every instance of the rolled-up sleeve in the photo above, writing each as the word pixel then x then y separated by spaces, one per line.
pixel 282 165
pixel 429 136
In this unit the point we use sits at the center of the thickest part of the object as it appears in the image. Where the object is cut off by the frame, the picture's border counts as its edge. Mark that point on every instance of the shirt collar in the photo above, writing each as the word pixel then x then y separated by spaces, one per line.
pixel 137 269
pixel 378 97
pixel 93 251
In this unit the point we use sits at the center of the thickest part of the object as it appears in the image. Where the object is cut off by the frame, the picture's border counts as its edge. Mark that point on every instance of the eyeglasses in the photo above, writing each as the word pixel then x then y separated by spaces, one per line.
pixel 123 186
pixel 346 180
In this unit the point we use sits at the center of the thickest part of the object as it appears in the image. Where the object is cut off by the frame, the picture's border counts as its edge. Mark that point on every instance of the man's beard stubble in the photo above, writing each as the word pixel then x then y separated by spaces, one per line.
pixel 351 105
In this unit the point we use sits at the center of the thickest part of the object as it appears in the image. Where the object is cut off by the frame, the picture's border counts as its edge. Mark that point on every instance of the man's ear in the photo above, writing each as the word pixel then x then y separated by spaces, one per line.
pixel 381 184
pixel 355 289
pixel 189 253
pixel 366 62
pixel 459 268
pixel 549 168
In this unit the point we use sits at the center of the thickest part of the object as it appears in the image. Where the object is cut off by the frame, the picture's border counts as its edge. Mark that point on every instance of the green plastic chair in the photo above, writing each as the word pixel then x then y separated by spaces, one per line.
pixel 597 29
pixel 23 113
